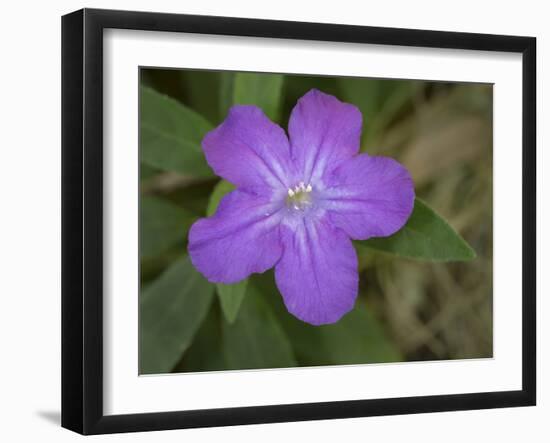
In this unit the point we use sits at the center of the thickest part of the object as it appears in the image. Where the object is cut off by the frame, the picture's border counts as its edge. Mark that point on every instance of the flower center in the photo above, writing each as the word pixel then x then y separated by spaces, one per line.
pixel 299 197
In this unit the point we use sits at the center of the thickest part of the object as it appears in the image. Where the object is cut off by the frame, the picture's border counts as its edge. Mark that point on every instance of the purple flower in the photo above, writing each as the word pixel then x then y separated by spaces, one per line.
pixel 299 201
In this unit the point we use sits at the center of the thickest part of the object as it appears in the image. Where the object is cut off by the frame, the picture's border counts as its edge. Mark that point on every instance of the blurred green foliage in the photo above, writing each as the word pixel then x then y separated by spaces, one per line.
pixel 162 225
pixel 407 309
pixel 170 135
pixel 171 310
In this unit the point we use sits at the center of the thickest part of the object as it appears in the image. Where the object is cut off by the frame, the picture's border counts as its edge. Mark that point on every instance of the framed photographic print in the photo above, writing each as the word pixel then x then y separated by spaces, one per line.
pixel 269 221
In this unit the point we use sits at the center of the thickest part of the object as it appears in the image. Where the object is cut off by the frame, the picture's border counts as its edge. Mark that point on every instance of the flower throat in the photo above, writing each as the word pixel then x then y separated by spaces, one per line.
pixel 299 197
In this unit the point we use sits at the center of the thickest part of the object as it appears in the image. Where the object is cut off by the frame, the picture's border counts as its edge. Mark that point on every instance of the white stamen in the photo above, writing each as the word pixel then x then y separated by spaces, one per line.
pixel 299 197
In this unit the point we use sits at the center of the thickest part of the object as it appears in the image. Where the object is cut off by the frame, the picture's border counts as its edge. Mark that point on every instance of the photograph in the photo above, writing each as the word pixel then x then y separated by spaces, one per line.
pixel 290 220
pixel 261 222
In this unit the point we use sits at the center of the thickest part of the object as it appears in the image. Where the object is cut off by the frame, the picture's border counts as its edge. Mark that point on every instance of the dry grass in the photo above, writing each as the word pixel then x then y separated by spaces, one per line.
pixel 442 311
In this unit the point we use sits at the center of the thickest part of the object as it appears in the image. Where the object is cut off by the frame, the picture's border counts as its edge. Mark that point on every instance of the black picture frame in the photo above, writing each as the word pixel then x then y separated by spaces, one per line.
pixel 82 220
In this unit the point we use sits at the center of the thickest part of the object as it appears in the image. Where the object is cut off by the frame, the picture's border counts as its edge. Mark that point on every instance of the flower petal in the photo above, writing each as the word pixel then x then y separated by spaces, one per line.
pixel 323 131
pixel 369 196
pixel 242 237
pixel 249 150
pixel 317 274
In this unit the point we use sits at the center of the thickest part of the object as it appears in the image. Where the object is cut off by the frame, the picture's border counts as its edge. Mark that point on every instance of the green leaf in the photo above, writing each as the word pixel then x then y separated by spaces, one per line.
pixel 256 339
pixel 220 191
pixel 425 236
pixel 201 90
pixel 227 84
pixel 162 224
pixel 379 100
pixel 146 172
pixel 171 310
pixel 357 338
pixel 364 93
pixel 193 197
pixel 231 296
pixel 171 134
pixel 205 353
pixel 247 88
